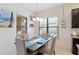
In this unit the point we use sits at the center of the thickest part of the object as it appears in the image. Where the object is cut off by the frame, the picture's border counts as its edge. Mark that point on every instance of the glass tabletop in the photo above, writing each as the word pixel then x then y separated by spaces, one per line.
pixel 32 41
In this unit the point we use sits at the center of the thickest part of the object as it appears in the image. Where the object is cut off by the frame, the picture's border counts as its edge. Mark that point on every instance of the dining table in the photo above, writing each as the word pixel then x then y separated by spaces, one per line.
pixel 35 44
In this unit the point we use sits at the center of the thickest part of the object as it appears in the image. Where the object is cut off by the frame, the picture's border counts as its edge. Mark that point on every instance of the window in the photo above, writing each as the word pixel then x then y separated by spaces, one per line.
pixel 49 25
pixel 53 26
pixel 43 30
pixel 43 22
pixel 53 31
pixel 53 21
pixel 43 25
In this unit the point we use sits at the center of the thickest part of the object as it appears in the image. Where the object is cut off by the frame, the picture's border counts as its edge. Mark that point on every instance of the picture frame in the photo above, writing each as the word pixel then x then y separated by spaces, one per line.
pixel 6 18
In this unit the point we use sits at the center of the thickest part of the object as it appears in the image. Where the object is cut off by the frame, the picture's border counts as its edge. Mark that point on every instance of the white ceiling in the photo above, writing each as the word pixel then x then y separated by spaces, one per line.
pixel 29 7
pixel 35 7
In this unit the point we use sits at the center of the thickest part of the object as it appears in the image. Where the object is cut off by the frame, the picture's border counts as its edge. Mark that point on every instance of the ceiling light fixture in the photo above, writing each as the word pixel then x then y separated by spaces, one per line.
pixel 35 18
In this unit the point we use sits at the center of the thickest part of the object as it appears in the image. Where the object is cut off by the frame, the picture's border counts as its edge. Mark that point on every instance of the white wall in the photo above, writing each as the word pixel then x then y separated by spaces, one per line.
pixel 32 31
pixel 64 33
pixel 7 35
pixel 7 38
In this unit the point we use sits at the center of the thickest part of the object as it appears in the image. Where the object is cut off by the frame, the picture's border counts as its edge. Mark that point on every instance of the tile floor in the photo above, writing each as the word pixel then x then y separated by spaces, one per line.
pixel 62 51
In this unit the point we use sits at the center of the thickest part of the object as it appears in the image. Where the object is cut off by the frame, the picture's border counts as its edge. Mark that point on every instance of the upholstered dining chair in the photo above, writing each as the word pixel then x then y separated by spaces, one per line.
pixel 48 49
pixel 44 35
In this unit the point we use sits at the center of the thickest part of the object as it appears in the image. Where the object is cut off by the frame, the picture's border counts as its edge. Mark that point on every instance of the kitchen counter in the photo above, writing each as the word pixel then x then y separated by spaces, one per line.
pixel 75 41
pixel 75 37
pixel 78 48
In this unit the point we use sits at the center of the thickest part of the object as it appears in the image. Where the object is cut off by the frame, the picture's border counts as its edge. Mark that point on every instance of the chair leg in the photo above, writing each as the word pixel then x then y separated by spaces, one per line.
pixel 54 52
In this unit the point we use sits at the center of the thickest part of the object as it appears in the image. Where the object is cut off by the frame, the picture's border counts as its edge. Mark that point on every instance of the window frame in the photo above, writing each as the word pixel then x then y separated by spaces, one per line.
pixel 50 26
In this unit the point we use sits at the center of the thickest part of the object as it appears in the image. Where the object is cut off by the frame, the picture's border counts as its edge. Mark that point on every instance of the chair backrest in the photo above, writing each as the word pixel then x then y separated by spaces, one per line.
pixel 22 35
pixel 25 35
pixel 20 46
pixel 20 43
pixel 53 44
pixel 44 35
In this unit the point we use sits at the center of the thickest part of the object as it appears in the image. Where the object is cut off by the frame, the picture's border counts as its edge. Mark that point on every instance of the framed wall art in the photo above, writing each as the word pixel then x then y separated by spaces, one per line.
pixel 6 18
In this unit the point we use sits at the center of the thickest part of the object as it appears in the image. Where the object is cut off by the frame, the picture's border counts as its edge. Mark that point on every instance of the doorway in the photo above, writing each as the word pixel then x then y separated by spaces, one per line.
pixel 21 24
